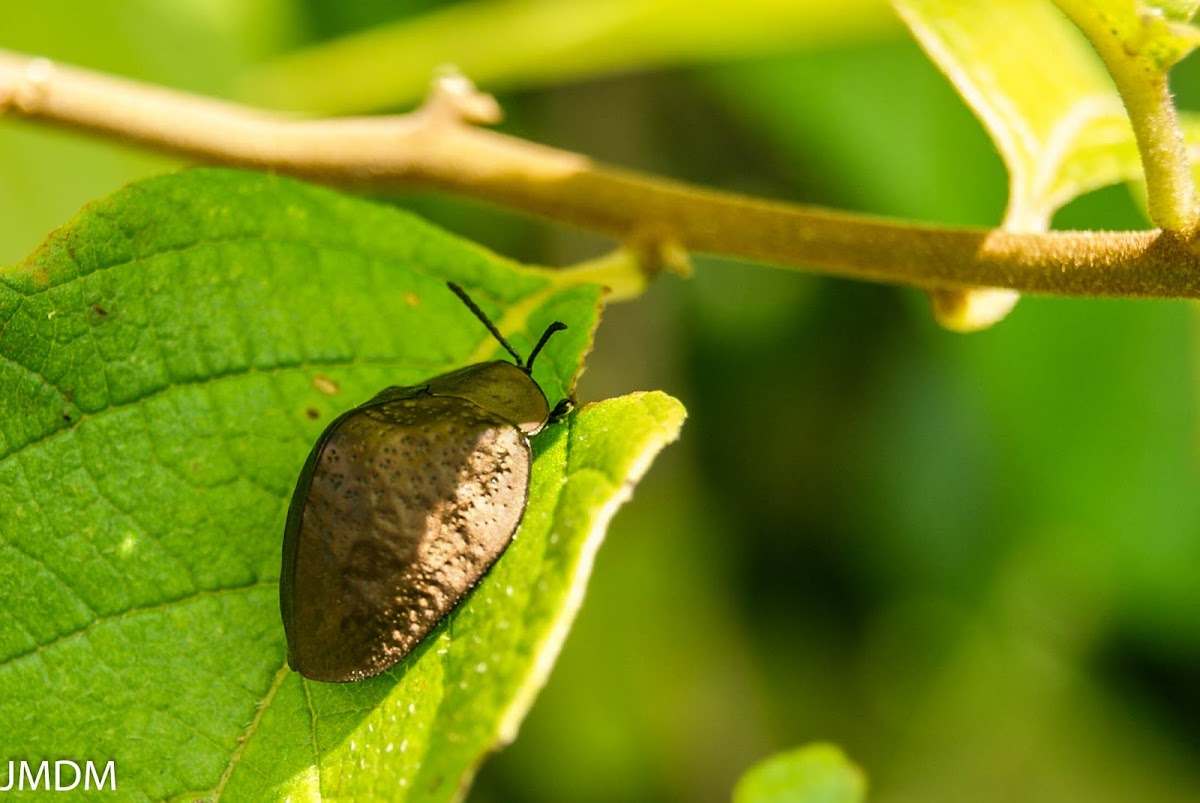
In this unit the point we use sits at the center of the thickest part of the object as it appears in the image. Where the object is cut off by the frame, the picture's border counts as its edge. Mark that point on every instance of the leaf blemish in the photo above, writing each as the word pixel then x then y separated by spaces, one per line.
pixel 325 385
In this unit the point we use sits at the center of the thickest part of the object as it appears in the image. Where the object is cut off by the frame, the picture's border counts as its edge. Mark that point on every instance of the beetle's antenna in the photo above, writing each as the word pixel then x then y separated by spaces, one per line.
pixel 557 326
pixel 491 327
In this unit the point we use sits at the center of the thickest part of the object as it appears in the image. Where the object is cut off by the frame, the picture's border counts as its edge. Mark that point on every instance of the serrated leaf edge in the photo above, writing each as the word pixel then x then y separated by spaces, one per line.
pixel 510 720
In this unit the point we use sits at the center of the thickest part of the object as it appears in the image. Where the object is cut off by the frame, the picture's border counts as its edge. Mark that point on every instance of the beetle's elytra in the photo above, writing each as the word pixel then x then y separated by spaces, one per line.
pixel 404 503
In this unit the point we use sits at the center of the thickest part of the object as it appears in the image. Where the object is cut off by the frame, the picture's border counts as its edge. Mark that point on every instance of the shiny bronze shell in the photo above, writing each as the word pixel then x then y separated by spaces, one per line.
pixel 403 505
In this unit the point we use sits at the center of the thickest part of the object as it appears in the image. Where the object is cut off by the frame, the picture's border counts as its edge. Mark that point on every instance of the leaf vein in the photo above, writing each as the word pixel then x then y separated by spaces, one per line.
pixel 33 499
pixel 157 606
pixel 250 731
pixel 312 718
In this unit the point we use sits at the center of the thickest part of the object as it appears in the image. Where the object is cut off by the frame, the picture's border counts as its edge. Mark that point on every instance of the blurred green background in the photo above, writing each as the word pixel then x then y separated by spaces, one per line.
pixel 970 560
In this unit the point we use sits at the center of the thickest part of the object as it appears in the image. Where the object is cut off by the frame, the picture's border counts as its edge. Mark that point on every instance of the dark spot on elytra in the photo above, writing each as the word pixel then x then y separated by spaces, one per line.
pixel 313 413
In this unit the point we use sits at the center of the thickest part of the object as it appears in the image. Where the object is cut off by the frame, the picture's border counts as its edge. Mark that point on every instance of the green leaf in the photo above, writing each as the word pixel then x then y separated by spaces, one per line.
pixel 817 773
pixel 166 361
pixel 1048 103
pixel 1056 119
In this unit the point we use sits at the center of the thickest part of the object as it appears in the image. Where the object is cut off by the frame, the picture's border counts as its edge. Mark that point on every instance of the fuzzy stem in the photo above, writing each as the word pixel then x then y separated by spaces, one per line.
pixel 1138 60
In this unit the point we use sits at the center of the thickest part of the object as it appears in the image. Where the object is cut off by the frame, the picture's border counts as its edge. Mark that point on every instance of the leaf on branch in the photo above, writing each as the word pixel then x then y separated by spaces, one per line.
pixel 168 359
pixel 1048 103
